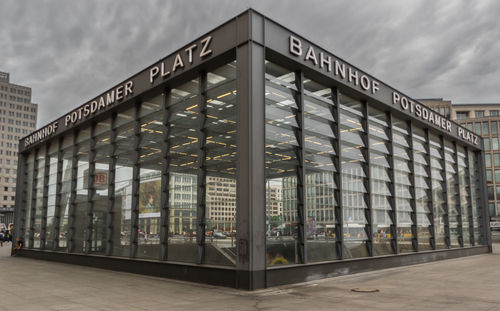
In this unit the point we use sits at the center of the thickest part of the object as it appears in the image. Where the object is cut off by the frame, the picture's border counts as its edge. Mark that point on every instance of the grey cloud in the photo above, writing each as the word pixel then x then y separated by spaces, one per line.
pixel 70 51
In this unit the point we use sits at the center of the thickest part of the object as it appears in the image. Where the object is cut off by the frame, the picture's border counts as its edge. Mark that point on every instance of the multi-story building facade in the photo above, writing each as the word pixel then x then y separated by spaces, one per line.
pixel 483 119
pixel 17 118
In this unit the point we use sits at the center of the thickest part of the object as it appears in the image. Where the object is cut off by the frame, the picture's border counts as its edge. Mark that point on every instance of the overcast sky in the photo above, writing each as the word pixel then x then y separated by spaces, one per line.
pixel 70 51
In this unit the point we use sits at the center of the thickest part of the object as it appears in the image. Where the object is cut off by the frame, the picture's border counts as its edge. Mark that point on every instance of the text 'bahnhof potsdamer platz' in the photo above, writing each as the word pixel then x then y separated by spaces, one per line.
pixel 250 158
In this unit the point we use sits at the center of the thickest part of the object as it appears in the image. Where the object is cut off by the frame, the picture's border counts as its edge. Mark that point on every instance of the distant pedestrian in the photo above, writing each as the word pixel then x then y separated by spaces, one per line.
pixel 20 245
pixel 2 238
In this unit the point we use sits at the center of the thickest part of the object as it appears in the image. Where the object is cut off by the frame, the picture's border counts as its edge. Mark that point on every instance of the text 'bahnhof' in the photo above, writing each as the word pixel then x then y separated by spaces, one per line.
pixel 251 158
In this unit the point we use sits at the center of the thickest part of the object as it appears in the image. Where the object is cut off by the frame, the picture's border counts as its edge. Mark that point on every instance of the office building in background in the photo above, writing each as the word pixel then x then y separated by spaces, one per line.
pixel 17 118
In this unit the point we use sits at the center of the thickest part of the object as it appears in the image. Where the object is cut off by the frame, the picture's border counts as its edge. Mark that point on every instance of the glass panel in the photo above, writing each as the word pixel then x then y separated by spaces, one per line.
pixel 150 161
pixel 83 147
pixel 281 165
pixel 183 171
pixel 477 128
pixel 423 192
pixel 380 182
pixel 353 177
pixel 494 143
pixel 494 128
pixel 438 188
pixel 51 202
pixel 489 176
pixel 40 158
pixel 487 144
pixel 30 161
pixel 67 158
pixel 124 153
pixel 454 211
pixel 102 133
pixel 485 129
pixel 319 134
pixel 402 184
pixel 496 159
pixel 220 247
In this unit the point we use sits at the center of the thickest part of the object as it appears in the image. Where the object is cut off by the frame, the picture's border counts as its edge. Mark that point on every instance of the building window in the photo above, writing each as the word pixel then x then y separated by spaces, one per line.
pixel 462 115
pixel 486 144
pixel 489 177
pixel 493 113
pixel 494 129
pixel 496 158
pixel 479 113
pixel 477 128
pixel 486 128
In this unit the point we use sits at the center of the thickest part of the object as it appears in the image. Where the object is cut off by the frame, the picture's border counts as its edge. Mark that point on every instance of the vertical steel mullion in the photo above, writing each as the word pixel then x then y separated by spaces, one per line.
pixel 111 187
pixel 483 213
pixel 202 171
pixel 57 208
pixel 165 179
pixel 457 197
pixel 430 190
pixel 447 203
pixel 393 213
pixel 469 198
pixel 367 180
pixel 301 171
pixel 43 230
pixel 90 193
pixel 72 202
pixel 34 183
pixel 339 208
pixel 136 179
pixel 413 192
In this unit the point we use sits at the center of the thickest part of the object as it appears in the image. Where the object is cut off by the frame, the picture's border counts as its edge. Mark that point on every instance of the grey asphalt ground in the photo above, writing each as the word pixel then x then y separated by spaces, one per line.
pixel 469 283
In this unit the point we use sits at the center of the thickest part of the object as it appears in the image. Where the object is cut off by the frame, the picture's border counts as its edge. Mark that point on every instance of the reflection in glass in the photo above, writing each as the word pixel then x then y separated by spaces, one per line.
pixel 30 161
pixel 352 137
pixel 281 165
pixel 380 173
pixel 150 161
pixel 40 160
pixel 319 135
pixel 475 193
pixel 423 192
pixel 51 200
pixel 80 213
pixel 67 159
pixel 102 136
pixel 454 213
pixel 463 193
pixel 438 190
pixel 220 200
pixel 124 154
pixel 402 173
pixel 183 112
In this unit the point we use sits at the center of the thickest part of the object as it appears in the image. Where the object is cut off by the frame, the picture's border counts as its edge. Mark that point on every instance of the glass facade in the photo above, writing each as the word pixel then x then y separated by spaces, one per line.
pixel 335 174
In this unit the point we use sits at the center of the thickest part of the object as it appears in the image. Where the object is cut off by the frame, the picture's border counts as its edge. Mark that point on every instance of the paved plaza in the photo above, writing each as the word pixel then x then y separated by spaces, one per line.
pixel 470 283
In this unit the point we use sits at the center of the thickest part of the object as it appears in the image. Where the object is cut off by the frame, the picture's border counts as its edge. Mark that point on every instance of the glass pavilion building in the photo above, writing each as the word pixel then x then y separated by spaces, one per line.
pixel 251 158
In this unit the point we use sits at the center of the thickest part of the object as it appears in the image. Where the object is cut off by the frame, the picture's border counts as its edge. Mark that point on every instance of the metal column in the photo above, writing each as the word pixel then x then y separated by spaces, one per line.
pixel 413 202
pixel 367 180
pixel 393 213
pixel 339 211
pixel 136 179
pixel 111 187
pixel 301 177
pixel 72 199
pixel 165 179
pixel 202 171
pixel 430 190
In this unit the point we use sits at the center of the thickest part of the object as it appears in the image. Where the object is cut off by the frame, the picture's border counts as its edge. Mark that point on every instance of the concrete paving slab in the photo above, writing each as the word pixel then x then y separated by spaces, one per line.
pixel 469 283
